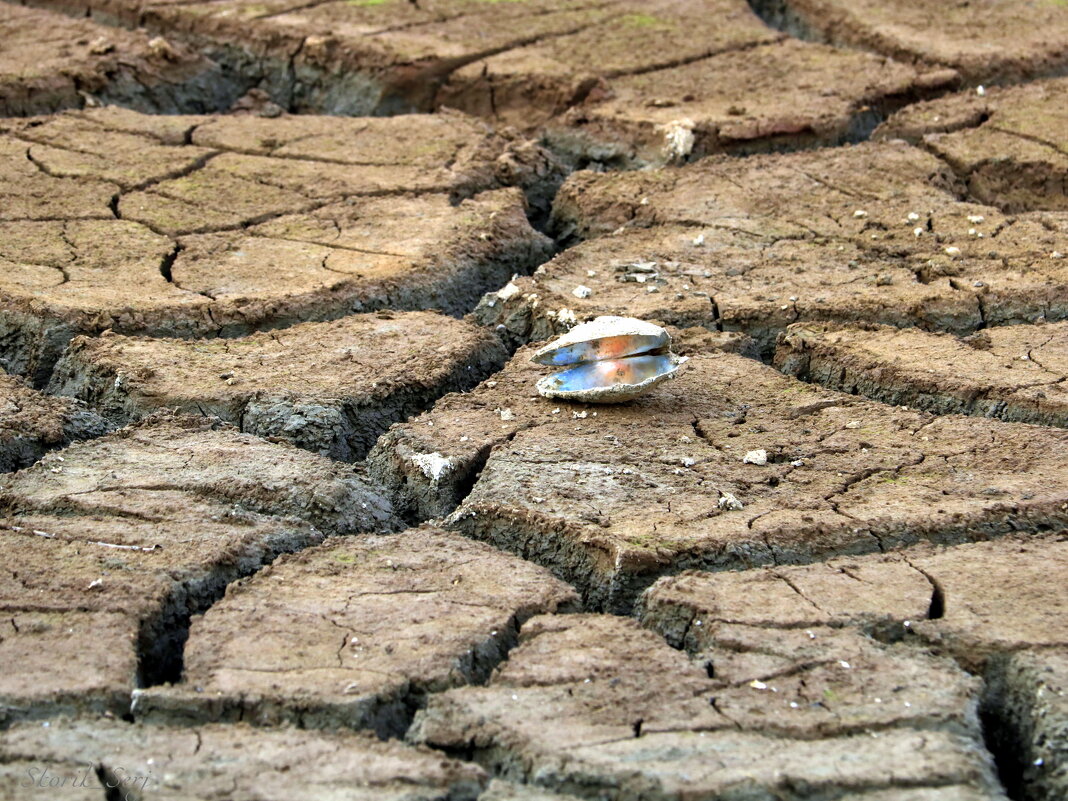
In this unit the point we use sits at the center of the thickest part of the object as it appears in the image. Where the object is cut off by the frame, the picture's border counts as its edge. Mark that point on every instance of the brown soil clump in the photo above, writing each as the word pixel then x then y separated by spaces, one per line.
pixel 51 62
pixel 32 423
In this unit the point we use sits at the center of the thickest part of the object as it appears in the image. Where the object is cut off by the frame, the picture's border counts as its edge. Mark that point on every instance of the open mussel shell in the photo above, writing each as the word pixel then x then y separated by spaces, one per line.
pixel 610 380
pixel 604 338
pixel 613 359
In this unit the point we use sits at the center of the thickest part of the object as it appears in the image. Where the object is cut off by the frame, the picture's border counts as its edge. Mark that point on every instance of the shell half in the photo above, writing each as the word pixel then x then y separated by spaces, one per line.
pixel 615 359
pixel 604 338
pixel 610 380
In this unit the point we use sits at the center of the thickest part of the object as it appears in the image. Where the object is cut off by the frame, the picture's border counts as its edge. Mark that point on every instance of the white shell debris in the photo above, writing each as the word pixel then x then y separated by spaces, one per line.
pixel 433 465
pixel 729 502
pixel 678 139
pixel 759 457
pixel 509 290
pixel 609 360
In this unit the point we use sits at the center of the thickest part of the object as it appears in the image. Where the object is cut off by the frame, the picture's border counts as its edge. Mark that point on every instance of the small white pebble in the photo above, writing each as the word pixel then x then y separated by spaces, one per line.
pixel 507 414
pixel 699 240
pixel 1056 255
pixel 844 664
pixel 972 232
pixel 644 201
pixel 758 457
pixel 579 415
pixel 797 463
pixel 980 90
pixel 853 424
pixel 591 273
pixel 1039 762
pixel 581 291
pixel 860 214
pixel 975 219
pixel 952 251
pixel 793 705
pixel 555 411
pixel 758 685
pixel 811 636
pixel 917 232
pixel 464 438
pixel 913 216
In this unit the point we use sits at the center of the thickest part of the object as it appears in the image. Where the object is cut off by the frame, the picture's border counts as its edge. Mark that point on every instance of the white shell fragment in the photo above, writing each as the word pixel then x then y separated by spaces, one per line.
pixel 759 457
pixel 614 359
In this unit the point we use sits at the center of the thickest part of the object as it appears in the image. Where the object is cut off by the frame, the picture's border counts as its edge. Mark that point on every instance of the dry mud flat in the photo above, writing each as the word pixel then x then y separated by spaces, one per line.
pixel 50 62
pixel 220 763
pixel 110 545
pixel 619 82
pixel 356 633
pixel 1009 144
pixel 633 718
pixel 732 465
pixel 207 226
pixel 984 41
pixel 329 387
pixel 1014 372
pixel 878 232
pixel 830 596
pixel 991 606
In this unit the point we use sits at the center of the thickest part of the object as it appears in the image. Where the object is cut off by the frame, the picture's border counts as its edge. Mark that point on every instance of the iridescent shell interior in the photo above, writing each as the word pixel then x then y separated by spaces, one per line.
pixel 614 359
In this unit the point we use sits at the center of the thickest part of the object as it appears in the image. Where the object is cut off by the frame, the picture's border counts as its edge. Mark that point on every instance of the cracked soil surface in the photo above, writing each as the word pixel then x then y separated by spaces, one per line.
pixel 283 516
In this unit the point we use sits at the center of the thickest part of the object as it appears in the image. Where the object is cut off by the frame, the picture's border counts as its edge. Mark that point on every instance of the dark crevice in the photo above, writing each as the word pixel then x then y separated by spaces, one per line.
pixel 167 263
pixel 781 16
pixel 1007 729
pixel 162 637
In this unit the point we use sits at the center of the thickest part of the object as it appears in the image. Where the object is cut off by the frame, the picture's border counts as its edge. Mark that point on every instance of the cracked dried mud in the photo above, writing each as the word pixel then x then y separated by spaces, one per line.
pixel 282 514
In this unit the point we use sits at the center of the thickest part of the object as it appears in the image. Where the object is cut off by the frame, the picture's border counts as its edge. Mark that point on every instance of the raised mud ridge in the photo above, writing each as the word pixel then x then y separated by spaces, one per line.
pixel 283 515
